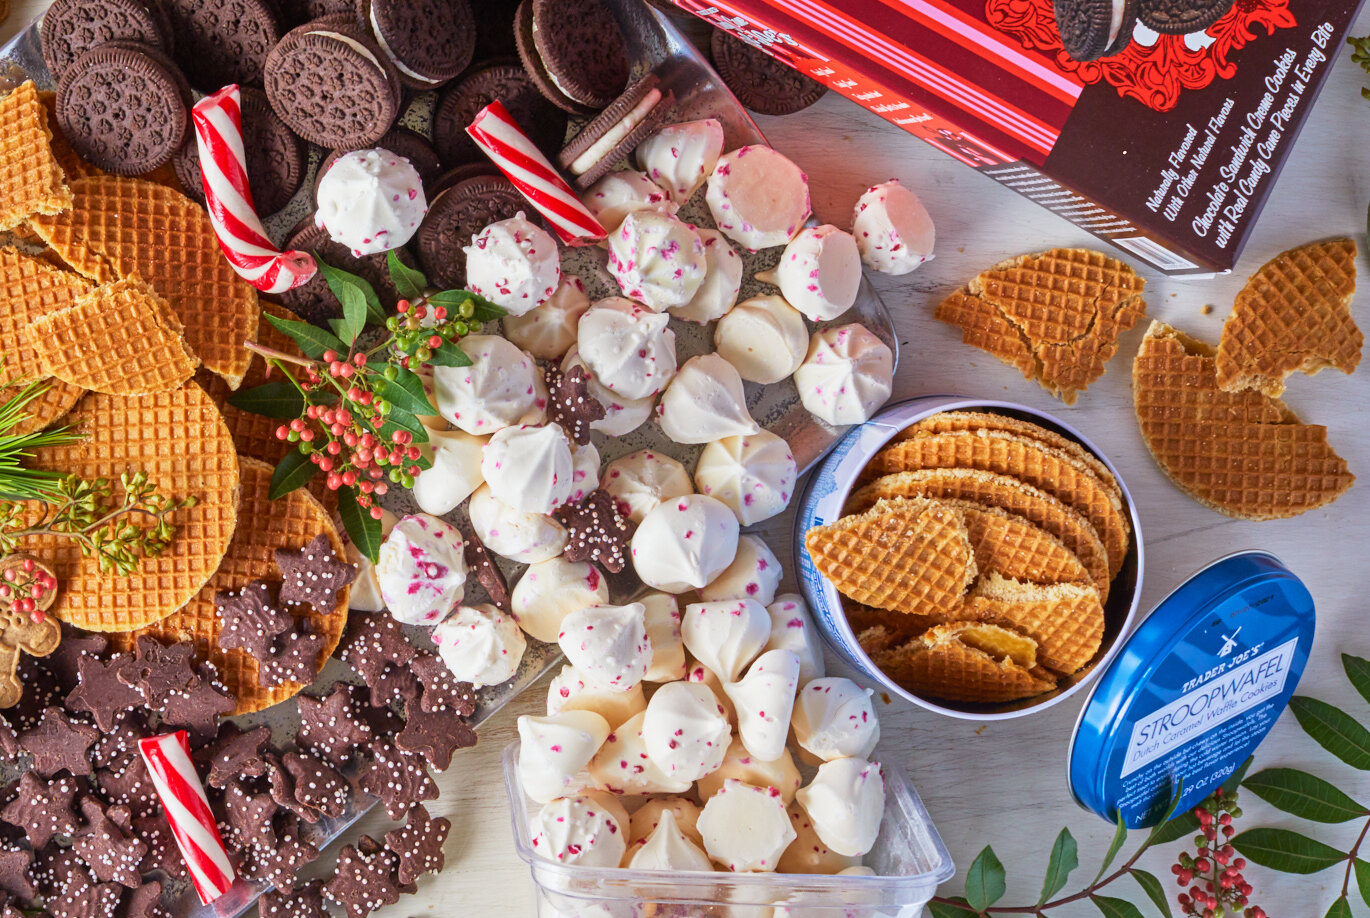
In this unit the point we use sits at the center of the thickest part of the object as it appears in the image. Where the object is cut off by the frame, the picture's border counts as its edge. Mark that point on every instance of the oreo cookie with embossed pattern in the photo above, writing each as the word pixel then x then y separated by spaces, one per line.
pixel 330 83
pixel 223 41
pixel 124 108
pixel 574 51
pixel 458 214
pixel 509 83
pixel 428 42
pixel 1091 29
pixel 276 158
pixel 1180 17
pixel 759 81
pixel 73 27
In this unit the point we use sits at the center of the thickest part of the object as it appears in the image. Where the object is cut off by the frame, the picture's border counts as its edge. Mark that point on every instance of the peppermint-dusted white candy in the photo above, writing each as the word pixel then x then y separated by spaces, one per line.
pixel 627 346
pixel 764 699
pixel 640 481
pixel 529 468
pixel 686 730
pixel 621 415
pixel 722 281
pixel 551 590
pixel 421 570
pixel 657 259
pixel 741 765
pixel 645 819
pixel 662 616
pixel 684 543
pixel 746 828
pixel 820 272
pixel 548 331
pixel 608 645
pixel 792 629
pixel 705 401
pixel 500 388
pixel 370 201
pixel 834 718
pixel 758 197
pixel 847 375
pixel 510 533
pixel 764 337
pixel 514 264
pixel 554 750
pixel 568 691
pixel 753 474
pixel 584 472
pixel 619 194
pixel 846 801
pixel 587 830
pixel 807 853
pixel 622 765
pixel 679 157
pixel 725 636
pixel 698 672
pixel 892 229
pixel 667 848
pixel 480 645
pixel 754 574
pixel 455 473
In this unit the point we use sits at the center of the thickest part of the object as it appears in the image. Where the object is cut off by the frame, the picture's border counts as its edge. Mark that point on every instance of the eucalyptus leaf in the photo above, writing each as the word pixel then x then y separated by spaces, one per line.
pixel 985 880
pixel 1116 908
pixel 1065 857
pixel 276 399
pixel 1333 729
pixel 345 285
pixel 1286 851
pixel 1114 846
pixel 1358 671
pixel 409 282
pixel 956 908
pixel 310 338
pixel 292 472
pixel 450 355
pixel 1153 889
pixel 362 528
pixel 1304 795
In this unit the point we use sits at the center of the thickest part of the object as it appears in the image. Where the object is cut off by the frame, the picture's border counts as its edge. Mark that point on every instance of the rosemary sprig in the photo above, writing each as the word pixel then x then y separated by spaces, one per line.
pixel 16 481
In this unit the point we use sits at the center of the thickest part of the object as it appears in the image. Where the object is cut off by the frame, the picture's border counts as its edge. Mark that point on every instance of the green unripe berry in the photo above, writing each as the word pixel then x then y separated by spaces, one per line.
pixel 391 373
pixel 467 309
pixel 424 353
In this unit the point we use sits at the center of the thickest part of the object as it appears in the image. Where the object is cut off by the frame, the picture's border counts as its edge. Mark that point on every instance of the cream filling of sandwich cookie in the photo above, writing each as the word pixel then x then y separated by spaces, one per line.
pixel 627 346
pixel 680 157
pixel 722 281
pixel 548 331
pixel 554 751
pixel 893 229
pixel 587 830
pixel 764 700
pixel 820 272
pixel 607 644
pixel 622 765
pixel 667 848
pixel 753 474
pixel 745 828
pixel 352 43
pixel 657 259
pixel 551 590
pixel 619 194
pixel 510 533
pixel 792 629
pixel 421 570
pixel 621 415
pixel 480 645
pixel 705 401
pixel 502 387
pixel 568 691
pixel 847 375
pixel 370 201
pixel 833 719
pixel 662 617
pixel 764 337
pixel 686 730
pixel 846 800
pixel 758 197
pixel 754 574
pixel 684 543
pixel 612 137
pixel 455 472
pixel 640 481
pixel 514 264
pixel 529 468
pixel 725 636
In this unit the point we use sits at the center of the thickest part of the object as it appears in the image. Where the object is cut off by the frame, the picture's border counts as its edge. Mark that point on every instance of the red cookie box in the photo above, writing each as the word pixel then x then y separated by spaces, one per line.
pixel 1166 149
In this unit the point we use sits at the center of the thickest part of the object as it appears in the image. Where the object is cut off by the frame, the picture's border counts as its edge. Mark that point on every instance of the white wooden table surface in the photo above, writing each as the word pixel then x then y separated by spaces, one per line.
pixel 1005 783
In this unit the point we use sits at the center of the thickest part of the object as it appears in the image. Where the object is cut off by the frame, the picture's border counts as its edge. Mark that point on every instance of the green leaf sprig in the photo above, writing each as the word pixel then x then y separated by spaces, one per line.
pixel 18 482
pixel 351 408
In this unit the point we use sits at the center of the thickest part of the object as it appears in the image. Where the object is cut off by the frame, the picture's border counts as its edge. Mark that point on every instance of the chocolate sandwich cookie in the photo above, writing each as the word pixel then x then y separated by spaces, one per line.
pixel 223 41
pixel 1091 29
pixel 574 51
pixel 73 27
pixel 495 29
pixel 412 145
pixel 1180 17
pixel 460 174
pixel 615 132
pixel 298 12
pixel 760 82
pixel 510 84
pixel 428 42
pixel 276 158
pixel 314 301
pixel 124 108
pixel 458 214
pixel 330 83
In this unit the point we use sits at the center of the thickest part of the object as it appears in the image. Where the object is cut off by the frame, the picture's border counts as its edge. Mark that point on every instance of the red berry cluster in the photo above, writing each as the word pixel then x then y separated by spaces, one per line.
pixel 1213 872
pixel 22 588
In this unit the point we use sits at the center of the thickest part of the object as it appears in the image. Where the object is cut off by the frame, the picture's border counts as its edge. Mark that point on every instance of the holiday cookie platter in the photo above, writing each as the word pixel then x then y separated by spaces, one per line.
pixel 676 70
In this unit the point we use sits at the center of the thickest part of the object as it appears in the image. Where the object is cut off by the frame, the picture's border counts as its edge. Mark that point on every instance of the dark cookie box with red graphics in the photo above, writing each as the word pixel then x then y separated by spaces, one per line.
pixel 1166 148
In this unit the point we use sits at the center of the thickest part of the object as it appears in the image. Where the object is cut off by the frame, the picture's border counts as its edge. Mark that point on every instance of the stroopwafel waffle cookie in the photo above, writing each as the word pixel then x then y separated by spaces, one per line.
pixel 1055 316
pixel 1242 453
pixel 180 440
pixel 264 525
pixel 31 181
pixel 1066 620
pixel 1293 316
pixel 1008 545
pixel 121 339
pixel 967 661
pixel 29 289
pixel 120 226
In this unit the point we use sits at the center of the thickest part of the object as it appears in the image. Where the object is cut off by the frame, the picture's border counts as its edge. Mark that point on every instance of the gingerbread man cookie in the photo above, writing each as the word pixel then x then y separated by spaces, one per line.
pixel 24 630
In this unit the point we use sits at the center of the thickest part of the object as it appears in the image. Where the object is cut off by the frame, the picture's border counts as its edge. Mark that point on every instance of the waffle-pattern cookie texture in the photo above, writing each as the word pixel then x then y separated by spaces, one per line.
pixel 264 525
pixel 1066 620
pixel 988 489
pixel 1240 453
pixel 30 289
pixel 1055 316
pixel 121 339
pixel 1293 316
pixel 910 556
pixel 120 226
pixel 1008 545
pixel 31 181
pixel 1047 468
pixel 182 443
pixel 967 661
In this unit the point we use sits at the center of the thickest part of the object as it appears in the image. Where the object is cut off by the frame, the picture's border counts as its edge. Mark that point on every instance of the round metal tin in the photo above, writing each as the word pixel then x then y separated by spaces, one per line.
pixel 1193 691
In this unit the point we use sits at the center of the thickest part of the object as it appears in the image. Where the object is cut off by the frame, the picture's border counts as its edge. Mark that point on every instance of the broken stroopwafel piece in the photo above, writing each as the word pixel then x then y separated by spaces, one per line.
pixel 967 661
pixel 1066 620
pixel 31 181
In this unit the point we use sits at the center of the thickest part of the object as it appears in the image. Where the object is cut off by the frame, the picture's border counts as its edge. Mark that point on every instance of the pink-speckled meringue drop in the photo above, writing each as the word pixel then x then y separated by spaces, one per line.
pixel 758 197
pixel 514 264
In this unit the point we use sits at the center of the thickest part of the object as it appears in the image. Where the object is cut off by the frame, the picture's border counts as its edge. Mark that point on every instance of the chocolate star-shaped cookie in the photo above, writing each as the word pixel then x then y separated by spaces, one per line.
pixel 570 404
pixel 317 785
pixel 76 646
pixel 249 816
pixel 399 778
pixel 373 641
pixel 597 531
pixel 331 727
pixel 293 658
pixel 237 754
pixel 115 747
pixel 112 854
pixel 363 880
pixel 314 574
pixel 129 786
pixel 98 901
pixel 442 689
pixel 488 574
pixel 41 691
pixel 162 853
pixel 145 902
pixel 157 670
pixel 59 742
pixel 9 738
pixel 280 863
pixel 44 808
pixel 250 619
pixel 100 692
pixel 305 902
pixel 56 869
pixel 435 735
pixel 397 683
pixel 418 844
pixel 16 877
pixel 199 707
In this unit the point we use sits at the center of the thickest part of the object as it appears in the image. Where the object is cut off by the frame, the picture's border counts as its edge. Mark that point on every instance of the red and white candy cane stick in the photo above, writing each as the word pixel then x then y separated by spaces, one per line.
pixel 223 165
pixel 187 811
pixel 500 137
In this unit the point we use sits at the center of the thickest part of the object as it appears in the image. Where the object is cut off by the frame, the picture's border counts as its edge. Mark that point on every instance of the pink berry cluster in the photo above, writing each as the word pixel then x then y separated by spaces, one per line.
pixel 1213 873
pixel 23 587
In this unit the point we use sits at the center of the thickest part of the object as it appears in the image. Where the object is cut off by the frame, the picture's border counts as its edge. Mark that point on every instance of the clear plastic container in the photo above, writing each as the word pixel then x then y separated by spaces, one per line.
pixel 909 859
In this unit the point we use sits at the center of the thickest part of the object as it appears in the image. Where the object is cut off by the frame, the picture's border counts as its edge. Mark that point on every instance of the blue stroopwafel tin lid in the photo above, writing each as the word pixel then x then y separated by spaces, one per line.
pixel 1194 690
